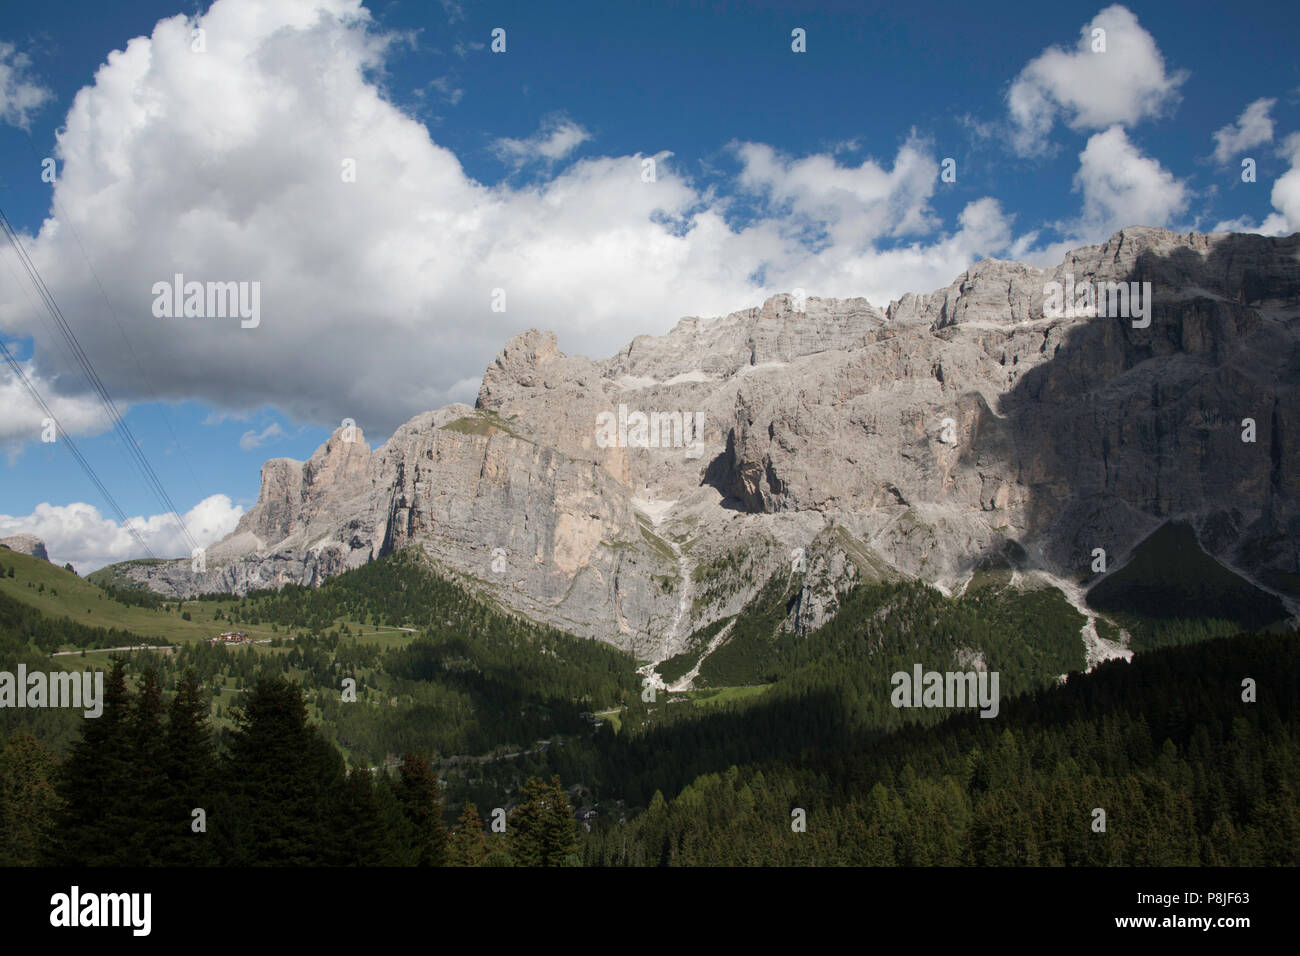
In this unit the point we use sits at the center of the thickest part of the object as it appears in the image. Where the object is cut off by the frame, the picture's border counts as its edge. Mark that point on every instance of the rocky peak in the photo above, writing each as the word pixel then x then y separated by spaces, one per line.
pixel 277 501
pixel 344 454
pixel 519 362
pixel 26 544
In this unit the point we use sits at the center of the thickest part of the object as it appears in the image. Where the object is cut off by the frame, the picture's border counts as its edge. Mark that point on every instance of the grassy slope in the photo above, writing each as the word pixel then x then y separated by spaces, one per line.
pixel 722 695
pixel 85 603
pixel 1170 577
pixel 88 604
pixel 482 422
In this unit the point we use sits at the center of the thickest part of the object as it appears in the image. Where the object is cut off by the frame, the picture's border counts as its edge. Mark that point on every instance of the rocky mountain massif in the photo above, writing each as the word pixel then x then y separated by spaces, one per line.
pixel 840 442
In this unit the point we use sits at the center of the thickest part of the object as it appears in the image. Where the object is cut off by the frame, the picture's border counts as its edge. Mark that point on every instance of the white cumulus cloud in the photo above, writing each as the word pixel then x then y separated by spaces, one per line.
pixel 24 419
pixel 20 94
pixel 1088 89
pixel 377 290
pixel 1286 192
pixel 855 205
pixel 80 534
pixel 1253 126
pixel 1285 197
pixel 557 138
pixel 1122 187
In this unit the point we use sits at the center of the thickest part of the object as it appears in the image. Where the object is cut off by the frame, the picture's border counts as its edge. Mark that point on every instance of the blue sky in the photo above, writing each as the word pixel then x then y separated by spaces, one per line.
pixel 521 171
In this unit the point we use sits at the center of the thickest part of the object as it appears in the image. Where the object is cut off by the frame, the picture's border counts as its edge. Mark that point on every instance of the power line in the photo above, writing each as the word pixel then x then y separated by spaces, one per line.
pixel 59 344
pixel 65 220
pixel 106 400
pixel 72 447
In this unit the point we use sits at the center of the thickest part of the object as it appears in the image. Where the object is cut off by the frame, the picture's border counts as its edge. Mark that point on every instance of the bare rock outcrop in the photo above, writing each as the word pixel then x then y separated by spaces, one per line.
pixel 26 544
pixel 637 498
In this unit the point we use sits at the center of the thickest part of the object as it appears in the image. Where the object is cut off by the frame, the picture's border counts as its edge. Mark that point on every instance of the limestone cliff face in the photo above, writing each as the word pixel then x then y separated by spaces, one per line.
pixel 910 440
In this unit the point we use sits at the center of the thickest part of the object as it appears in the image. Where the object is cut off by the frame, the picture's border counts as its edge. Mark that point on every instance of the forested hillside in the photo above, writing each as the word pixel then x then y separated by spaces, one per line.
pixel 145 786
pixel 1185 770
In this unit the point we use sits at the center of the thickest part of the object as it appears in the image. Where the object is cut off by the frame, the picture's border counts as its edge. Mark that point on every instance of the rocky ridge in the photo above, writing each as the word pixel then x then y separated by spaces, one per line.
pixel 840 441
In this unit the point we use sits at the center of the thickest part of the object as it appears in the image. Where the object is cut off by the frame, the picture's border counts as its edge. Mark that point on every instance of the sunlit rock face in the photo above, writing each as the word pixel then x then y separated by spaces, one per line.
pixel 637 498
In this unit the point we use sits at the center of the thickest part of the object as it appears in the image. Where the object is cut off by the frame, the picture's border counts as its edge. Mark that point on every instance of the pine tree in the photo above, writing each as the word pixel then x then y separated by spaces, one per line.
pixel 397 834
pixel 357 837
pixel 29 804
pixel 189 766
pixel 145 806
pixel 468 846
pixel 283 782
pixel 543 828
pixel 94 784
pixel 421 799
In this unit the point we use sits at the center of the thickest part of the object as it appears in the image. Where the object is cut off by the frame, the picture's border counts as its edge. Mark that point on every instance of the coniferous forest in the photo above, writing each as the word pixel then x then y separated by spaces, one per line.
pixel 485 740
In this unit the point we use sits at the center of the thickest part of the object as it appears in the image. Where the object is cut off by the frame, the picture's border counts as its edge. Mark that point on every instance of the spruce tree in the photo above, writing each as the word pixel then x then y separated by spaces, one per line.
pixel 421 799
pixel 189 766
pixel 544 831
pixel 145 810
pixel 29 803
pixel 397 834
pixel 94 784
pixel 467 846
pixel 283 781
pixel 356 839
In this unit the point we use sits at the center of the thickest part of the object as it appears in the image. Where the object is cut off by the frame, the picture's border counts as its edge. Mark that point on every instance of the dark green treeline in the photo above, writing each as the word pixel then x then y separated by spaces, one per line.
pixel 145 786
